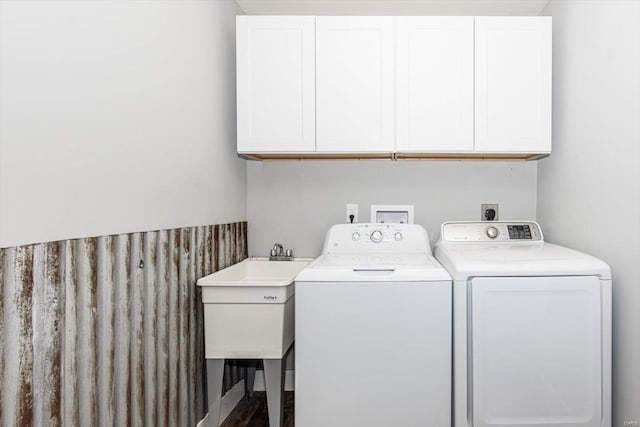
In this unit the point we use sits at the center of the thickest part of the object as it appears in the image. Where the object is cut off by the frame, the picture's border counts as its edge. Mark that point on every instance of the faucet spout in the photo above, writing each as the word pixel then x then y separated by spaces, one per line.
pixel 278 248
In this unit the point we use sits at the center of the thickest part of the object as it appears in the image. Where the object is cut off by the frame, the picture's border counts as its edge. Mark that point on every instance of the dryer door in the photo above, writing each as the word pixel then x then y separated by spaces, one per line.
pixel 535 351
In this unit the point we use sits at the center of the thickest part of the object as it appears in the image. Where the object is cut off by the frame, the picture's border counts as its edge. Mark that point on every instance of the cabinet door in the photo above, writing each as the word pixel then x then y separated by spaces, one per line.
pixel 355 84
pixel 435 84
pixel 276 83
pixel 513 84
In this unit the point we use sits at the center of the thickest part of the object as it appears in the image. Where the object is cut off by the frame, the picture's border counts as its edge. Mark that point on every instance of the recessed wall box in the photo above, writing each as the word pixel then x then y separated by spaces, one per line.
pixel 402 214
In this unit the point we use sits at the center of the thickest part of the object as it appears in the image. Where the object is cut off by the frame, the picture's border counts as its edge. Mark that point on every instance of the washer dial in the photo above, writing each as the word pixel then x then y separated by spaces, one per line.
pixel 376 236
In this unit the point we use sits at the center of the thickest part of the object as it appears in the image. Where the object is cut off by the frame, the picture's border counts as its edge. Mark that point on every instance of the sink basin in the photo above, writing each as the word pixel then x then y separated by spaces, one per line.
pixel 256 272
pixel 249 309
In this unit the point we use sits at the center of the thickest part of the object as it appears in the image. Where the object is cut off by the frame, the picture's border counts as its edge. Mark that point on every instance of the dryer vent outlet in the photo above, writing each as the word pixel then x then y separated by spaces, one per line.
pixel 489 212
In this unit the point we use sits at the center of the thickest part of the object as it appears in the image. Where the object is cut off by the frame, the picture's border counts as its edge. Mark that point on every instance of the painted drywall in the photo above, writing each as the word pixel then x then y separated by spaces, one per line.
pixel 295 203
pixel 393 7
pixel 117 116
pixel 589 188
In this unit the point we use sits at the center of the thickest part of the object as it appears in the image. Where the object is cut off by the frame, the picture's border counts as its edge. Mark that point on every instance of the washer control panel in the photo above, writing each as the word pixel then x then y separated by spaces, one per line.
pixel 376 237
pixel 498 231
pixel 376 233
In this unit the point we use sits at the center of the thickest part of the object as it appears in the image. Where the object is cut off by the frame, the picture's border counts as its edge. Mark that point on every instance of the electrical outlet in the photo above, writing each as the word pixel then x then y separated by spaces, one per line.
pixel 489 212
pixel 352 209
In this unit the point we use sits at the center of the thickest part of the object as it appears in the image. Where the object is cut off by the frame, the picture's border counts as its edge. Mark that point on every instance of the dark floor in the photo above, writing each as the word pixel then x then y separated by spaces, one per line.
pixel 252 412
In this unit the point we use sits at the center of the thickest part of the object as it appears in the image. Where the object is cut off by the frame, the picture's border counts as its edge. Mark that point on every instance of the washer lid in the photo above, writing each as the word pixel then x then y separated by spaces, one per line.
pixel 464 260
pixel 374 267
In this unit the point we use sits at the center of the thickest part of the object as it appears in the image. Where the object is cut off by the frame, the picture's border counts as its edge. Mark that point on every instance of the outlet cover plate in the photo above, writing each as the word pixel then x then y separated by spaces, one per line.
pixel 352 209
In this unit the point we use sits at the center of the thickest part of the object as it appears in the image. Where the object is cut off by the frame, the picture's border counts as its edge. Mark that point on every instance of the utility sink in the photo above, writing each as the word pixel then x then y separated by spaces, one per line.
pixel 249 309
pixel 248 314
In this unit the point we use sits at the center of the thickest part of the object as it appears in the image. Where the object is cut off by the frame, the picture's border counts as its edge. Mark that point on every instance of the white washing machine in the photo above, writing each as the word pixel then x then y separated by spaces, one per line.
pixel 373 331
pixel 532 328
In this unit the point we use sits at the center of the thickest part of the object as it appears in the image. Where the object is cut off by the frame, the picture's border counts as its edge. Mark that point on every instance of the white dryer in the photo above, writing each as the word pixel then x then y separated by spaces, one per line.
pixel 373 331
pixel 532 328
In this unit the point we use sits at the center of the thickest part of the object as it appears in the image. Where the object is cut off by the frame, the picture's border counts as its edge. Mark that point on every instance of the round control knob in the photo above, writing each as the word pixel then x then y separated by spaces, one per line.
pixel 376 236
pixel 397 236
pixel 492 232
pixel 355 236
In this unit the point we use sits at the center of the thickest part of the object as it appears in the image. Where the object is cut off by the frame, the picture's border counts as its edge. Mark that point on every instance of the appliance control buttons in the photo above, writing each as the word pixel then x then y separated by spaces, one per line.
pixel 492 232
pixel 376 236
pixel 519 232
pixel 355 236
pixel 397 236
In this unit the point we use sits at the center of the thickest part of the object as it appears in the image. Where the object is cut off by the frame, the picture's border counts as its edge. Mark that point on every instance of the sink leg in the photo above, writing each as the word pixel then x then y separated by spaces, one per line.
pixel 215 374
pixel 274 378
pixel 249 377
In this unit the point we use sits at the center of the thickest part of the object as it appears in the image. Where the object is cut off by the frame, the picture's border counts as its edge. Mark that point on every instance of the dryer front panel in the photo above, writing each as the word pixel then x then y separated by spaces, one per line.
pixel 535 351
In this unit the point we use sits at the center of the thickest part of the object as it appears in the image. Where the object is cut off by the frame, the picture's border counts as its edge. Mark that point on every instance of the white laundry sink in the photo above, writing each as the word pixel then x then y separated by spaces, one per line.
pixel 249 309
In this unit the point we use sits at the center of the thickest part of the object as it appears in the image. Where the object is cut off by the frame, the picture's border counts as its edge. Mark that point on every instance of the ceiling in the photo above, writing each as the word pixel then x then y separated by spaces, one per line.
pixel 393 7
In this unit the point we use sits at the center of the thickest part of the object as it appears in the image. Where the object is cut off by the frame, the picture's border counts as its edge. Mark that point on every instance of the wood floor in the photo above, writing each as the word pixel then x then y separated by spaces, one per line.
pixel 252 412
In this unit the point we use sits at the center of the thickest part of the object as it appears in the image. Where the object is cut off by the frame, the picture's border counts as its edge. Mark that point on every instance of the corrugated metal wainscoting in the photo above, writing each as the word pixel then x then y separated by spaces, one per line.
pixel 107 331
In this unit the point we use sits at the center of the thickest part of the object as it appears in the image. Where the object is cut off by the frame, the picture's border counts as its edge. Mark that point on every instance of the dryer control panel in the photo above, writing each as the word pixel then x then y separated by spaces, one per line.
pixel 498 231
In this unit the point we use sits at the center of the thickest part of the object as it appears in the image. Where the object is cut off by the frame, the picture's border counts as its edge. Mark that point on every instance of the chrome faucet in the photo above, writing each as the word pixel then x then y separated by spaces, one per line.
pixel 277 247
pixel 279 254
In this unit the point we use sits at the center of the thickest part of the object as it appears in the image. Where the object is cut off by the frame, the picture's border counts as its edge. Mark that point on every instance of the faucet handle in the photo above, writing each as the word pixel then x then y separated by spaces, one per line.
pixel 289 253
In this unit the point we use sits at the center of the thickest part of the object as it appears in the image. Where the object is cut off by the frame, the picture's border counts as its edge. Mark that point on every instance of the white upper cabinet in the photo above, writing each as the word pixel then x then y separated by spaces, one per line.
pixel 513 84
pixel 276 83
pixel 355 85
pixel 394 87
pixel 435 84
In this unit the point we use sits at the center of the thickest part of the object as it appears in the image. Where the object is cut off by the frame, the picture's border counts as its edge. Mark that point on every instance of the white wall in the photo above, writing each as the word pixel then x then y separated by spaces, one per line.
pixel 116 116
pixel 589 189
pixel 295 203
pixel 393 7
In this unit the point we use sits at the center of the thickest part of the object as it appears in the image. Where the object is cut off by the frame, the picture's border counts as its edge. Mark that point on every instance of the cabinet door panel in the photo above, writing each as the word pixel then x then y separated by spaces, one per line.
pixel 435 84
pixel 355 84
pixel 276 83
pixel 513 84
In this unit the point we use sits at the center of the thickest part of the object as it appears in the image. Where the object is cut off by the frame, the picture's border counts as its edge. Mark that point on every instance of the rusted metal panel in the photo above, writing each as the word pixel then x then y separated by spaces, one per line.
pixel 122 333
pixel 183 337
pixel 106 318
pixel 174 325
pixel 17 370
pixel 163 255
pixel 86 340
pixel 136 312
pixel 70 370
pixel 47 334
pixel 90 335
pixel 150 328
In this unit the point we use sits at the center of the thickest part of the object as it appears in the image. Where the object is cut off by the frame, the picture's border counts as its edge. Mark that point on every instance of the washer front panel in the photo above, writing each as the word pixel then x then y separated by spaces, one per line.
pixel 373 354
